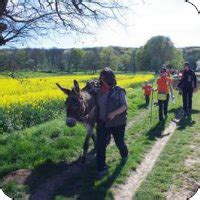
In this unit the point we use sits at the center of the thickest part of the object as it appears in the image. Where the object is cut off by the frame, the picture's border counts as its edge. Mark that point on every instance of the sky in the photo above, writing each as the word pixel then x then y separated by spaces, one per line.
pixel 146 18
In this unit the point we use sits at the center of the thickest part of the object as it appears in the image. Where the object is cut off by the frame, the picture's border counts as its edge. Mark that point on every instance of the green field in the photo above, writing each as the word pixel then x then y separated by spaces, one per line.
pixel 50 152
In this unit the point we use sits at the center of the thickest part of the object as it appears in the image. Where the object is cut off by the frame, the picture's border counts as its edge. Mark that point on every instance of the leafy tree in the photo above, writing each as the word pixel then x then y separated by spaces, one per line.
pixel 21 57
pixel 55 59
pixel 125 60
pixel 108 58
pixel 4 60
pixel 192 55
pixel 90 60
pixel 141 59
pixel 158 51
pixel 133 60
pixel 177 60
pixel 76 56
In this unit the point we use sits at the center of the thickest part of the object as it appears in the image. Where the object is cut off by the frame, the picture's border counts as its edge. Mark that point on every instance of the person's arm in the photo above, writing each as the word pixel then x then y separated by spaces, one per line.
pixel 171 92
pixel 156 89
pixel 121 109
pixel 171 89
pixel 181 83
pixel 195 82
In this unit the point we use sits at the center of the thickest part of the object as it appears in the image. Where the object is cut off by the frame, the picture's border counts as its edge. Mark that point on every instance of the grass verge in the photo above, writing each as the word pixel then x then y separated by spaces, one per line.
pixel 170 168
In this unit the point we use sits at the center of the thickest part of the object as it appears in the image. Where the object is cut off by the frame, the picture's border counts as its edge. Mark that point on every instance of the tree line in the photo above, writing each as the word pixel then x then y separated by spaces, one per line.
pixel 157 52
pixel 68 60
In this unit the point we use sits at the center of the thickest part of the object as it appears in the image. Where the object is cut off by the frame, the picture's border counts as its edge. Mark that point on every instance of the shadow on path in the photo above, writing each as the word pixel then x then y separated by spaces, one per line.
pixel 156 131
pixel 44 180
pixel 73 180
pixel 88 188
pixel 142 106
pixel 185 122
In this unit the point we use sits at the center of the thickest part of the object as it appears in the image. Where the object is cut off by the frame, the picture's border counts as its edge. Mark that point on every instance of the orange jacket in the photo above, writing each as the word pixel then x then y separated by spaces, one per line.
pixel 147 90
pixel 163 84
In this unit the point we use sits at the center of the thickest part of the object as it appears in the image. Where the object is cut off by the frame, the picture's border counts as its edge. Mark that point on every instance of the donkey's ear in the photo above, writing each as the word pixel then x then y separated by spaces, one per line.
pixel 65 90
pixel 76 86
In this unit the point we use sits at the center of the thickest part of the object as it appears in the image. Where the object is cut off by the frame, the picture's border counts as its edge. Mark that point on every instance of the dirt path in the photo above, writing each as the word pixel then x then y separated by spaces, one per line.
pixel 127 190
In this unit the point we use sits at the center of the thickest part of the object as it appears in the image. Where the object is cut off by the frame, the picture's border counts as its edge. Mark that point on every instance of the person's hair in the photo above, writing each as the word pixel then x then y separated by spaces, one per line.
pixel 163 69
pixel 109 76
pixel 187 64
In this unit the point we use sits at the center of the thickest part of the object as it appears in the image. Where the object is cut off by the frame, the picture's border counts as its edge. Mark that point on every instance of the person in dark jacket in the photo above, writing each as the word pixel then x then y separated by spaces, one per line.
pixel 187 85
pixel 112 108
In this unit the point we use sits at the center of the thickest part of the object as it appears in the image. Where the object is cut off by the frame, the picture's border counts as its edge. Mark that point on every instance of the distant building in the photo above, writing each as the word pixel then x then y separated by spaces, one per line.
pixel 198 65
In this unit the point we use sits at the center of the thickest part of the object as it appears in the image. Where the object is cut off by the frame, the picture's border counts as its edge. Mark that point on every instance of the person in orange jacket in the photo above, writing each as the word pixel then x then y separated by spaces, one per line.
pixel 164 88
pixel 147 92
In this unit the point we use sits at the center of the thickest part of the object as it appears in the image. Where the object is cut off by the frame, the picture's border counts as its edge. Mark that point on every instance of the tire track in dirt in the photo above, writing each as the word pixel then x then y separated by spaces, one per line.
pixel 128 189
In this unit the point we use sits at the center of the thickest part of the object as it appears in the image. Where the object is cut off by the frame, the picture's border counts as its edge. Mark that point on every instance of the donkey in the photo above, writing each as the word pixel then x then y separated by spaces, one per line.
pixel 81 107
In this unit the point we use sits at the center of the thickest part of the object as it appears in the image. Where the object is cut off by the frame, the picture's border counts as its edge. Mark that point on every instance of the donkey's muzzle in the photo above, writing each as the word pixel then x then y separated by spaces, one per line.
pixel 70 122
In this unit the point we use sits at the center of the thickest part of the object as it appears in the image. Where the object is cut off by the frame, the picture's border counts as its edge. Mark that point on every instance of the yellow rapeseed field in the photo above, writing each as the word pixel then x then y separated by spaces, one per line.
pixel 34 90
pixel 26 102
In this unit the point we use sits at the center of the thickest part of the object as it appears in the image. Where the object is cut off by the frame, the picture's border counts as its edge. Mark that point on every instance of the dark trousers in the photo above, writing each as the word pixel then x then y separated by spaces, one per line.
pixel 163 107
pixel 187 100
pixel 102 134
pixel 147 99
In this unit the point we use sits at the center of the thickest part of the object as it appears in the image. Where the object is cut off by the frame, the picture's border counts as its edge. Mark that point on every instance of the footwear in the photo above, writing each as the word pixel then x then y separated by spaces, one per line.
pixel 101 174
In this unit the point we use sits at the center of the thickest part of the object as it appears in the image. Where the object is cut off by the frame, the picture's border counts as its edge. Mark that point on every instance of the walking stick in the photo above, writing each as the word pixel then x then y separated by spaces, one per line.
pixel 151 104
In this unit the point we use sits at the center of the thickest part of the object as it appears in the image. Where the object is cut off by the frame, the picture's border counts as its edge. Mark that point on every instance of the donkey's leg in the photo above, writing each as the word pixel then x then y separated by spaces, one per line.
pixel 85 148
pixel 86 142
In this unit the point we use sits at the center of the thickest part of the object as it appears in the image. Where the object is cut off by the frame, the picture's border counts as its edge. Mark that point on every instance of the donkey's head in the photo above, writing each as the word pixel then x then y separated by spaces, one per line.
pixel 74 103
